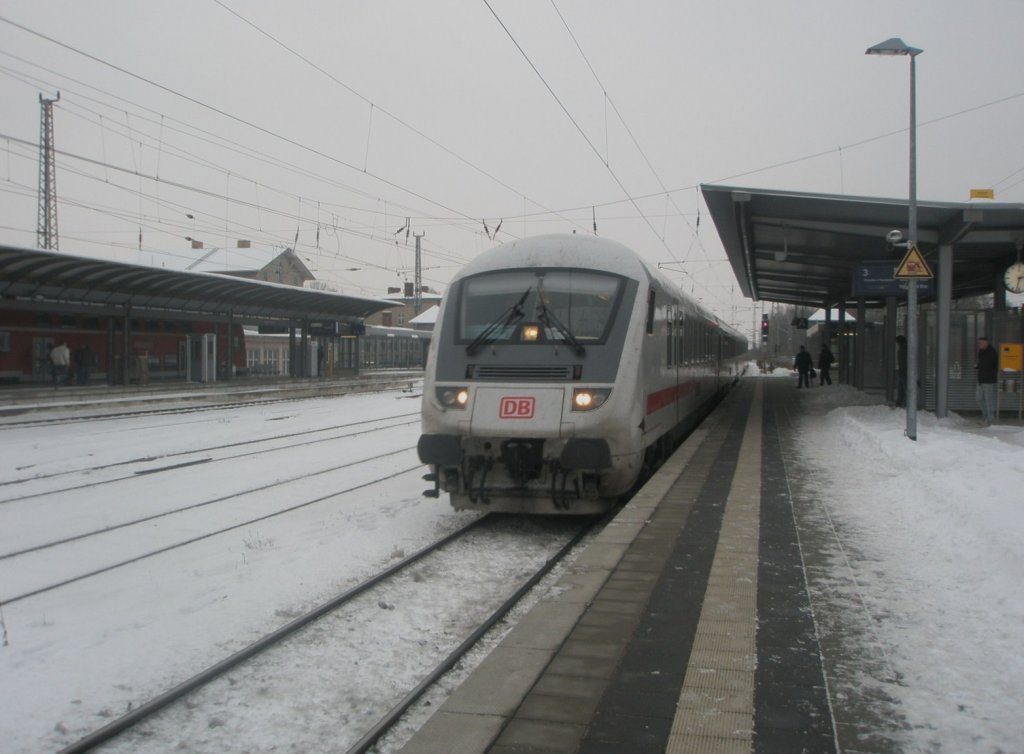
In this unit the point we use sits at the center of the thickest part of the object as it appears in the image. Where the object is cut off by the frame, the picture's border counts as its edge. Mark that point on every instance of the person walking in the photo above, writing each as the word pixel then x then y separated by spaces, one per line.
pixel 60 359
pixel 987 365
pixel 802 364
pixel 825 360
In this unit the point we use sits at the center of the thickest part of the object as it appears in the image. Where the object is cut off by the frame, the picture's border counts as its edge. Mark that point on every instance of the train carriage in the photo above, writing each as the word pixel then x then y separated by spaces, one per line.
pixel 560 369
pixel 153 349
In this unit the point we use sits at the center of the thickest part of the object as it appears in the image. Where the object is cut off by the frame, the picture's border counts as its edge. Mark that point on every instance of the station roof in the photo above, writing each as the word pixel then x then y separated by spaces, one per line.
pixel 801 248
pixel 59 278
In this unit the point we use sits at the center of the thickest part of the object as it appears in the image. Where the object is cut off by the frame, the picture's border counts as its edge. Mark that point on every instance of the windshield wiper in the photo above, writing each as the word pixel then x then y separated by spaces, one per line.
pixel 508 317
pixel 548 317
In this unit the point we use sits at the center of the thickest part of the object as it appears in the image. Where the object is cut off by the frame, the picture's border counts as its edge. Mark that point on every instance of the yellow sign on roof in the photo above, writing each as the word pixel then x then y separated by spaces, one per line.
pixel 983 194
pixel 913 267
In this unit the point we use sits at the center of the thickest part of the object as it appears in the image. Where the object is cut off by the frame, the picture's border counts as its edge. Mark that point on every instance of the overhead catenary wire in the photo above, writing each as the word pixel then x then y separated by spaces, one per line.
pixel 587 204
pixel 373 105
pixel 133 137
pixel 579 129
pixel 220 143
pixel 223 113
pixel 181 209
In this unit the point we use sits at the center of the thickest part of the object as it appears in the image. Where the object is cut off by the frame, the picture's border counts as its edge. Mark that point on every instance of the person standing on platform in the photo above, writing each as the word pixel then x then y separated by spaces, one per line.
pixel 60 359
pixel 987 365
pixel 802 364
pixel 825 360
pixel 901 370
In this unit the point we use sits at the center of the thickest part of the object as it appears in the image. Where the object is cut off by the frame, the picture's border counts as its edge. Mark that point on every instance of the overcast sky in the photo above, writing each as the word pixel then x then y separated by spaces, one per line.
pixel 334 121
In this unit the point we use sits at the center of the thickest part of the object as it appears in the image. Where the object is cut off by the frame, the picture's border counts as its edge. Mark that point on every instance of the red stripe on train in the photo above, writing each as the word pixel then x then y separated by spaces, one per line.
pixel 670 395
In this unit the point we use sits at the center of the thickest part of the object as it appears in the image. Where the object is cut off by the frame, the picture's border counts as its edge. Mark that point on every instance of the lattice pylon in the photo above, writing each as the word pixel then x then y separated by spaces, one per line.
pixel 46 228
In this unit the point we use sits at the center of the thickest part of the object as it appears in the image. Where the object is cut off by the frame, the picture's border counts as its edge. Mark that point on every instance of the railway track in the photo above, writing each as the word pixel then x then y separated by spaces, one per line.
pixel 191 540
pixel 101 617
pixel 227 685
pixel 31 408
pixel 196 455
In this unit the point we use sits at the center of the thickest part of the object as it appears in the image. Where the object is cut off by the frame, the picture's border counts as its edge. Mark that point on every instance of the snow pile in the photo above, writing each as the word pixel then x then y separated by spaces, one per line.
pixel 934 529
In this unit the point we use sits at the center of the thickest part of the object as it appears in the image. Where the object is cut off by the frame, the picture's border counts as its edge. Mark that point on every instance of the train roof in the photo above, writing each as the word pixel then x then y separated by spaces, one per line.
pixel 559 250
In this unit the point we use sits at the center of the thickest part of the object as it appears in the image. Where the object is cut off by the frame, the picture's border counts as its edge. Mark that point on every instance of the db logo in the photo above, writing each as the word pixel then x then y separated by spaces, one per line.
pixel 517 408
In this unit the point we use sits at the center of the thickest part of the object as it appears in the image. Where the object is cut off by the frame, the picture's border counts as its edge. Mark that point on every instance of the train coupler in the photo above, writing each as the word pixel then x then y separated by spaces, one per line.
pixel 436 491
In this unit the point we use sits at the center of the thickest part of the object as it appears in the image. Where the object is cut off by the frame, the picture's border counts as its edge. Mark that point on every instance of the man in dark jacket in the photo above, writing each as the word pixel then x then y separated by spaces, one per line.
pixel 825 359
pixel 987 365
pixel 803 365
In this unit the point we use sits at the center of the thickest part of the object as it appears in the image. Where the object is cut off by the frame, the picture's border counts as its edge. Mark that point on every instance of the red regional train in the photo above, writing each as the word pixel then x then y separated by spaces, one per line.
pixel 101 350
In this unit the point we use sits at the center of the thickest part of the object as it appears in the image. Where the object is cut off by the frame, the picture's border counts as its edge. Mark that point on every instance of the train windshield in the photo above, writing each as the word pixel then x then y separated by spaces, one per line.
pixel 566 305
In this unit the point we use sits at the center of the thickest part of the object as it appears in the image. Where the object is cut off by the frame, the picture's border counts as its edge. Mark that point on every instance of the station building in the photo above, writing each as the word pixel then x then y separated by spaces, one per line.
pixel 131 323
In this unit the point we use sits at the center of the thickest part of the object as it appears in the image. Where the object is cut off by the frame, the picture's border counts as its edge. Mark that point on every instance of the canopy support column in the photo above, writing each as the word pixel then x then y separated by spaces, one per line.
pixel 943 313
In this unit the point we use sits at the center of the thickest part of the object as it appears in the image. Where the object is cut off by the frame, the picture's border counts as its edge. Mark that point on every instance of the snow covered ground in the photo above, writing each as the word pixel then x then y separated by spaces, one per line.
pixel 932 533
pixel 933 530
pixel 77 656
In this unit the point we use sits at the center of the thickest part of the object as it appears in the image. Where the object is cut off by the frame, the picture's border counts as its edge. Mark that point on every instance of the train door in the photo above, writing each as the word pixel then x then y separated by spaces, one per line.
pixel 201 358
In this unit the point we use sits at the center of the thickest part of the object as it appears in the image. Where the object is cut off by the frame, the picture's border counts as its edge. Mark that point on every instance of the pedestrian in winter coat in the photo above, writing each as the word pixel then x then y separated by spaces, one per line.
pixel 802 364
pixel 825 361
pixel 987 366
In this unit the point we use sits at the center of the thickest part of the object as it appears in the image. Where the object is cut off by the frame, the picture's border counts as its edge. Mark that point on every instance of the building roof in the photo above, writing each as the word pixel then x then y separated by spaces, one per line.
pixel 285 265
pixel 49 276
pixel 802 248
pixel 428 317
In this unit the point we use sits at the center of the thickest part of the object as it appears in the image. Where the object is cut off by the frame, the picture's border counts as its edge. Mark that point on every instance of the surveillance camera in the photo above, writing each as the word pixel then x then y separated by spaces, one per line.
pixel 894 236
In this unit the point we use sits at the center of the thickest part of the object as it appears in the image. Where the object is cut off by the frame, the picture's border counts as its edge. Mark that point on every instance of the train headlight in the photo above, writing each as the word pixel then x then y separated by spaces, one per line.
pixel 530 333
pixel 453 397
pixel 587 399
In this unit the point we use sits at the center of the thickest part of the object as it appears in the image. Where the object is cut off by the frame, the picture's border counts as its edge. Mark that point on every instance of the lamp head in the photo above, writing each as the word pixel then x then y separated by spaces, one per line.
pixel 894 46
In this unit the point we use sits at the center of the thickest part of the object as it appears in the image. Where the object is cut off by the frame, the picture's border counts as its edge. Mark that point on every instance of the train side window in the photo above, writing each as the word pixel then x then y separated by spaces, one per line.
pixel 650 312
pixel 669 360
pixel 680 340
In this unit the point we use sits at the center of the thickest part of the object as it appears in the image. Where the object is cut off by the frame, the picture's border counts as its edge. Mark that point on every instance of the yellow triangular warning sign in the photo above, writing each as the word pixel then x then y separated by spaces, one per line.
pixel 913 266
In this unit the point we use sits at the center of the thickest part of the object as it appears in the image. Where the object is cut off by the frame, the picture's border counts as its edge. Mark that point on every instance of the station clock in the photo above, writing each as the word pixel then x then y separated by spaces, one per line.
pixel 1013 278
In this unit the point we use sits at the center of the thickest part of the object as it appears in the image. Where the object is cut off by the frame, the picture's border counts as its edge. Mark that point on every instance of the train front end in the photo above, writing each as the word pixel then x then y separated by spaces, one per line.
pixel 525 407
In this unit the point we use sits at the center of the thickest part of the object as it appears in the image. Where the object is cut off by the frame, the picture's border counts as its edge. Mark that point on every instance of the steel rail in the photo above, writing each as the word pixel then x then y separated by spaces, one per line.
pixel 158 703
pixel 395 713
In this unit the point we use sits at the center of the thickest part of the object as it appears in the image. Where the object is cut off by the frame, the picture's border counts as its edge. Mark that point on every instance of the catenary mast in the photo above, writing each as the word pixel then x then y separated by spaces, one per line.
pixel 46 228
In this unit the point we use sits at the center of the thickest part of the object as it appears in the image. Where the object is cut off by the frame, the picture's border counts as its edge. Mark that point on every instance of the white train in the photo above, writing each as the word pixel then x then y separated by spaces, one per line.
pixel 561 368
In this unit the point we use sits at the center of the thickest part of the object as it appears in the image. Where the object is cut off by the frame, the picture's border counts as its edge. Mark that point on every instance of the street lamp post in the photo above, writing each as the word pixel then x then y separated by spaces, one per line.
pixel 897 46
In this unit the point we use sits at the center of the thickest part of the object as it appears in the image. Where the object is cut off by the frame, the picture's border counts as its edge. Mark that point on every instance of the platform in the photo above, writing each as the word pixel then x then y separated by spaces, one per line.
pixel 687 625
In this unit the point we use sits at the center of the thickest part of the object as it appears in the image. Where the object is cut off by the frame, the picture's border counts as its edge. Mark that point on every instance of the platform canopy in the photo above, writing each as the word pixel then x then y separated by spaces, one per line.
pixel 36 278
pixel 804 249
